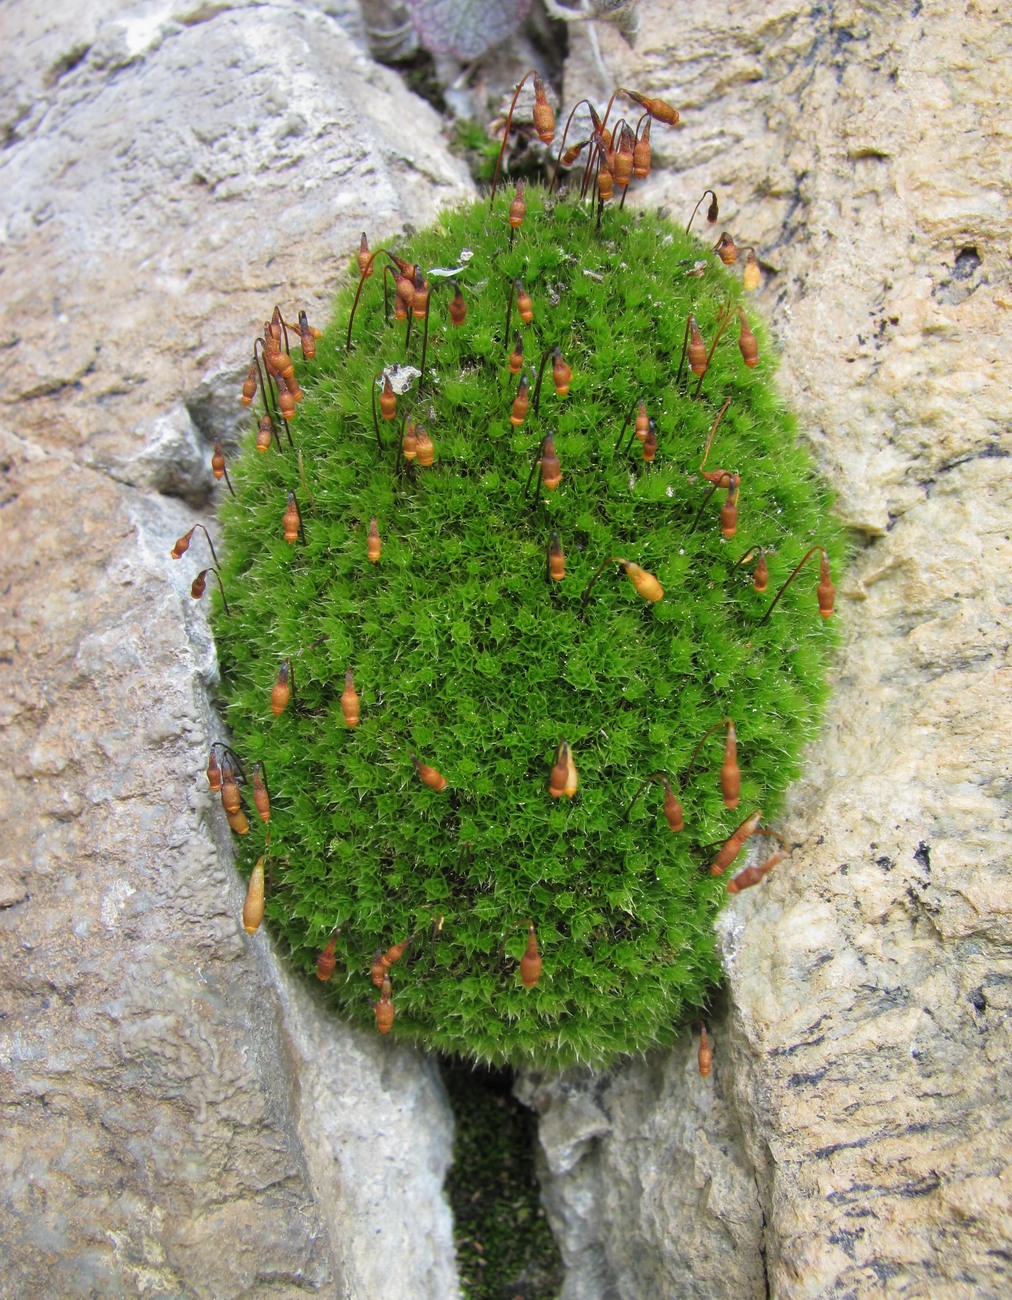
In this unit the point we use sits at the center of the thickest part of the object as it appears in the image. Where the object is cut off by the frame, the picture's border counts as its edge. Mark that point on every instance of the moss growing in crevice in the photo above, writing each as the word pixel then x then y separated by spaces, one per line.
pixel 466 655
pixel 505 1248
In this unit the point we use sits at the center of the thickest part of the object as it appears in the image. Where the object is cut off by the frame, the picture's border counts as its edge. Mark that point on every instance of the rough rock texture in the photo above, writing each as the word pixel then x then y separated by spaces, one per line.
pixel 645 1181
pixel 177 1118
pixel 865 151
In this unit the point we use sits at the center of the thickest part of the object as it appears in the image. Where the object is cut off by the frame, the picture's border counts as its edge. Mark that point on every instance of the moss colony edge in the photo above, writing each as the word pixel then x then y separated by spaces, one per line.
pixel 472 660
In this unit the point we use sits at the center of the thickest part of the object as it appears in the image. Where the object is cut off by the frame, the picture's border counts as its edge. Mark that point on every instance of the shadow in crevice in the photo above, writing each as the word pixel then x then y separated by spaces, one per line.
pixel 505 1249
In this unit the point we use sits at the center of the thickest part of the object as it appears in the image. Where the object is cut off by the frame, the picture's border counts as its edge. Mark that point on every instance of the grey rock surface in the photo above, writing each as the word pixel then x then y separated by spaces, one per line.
pixel 178 1118
pixel 865 152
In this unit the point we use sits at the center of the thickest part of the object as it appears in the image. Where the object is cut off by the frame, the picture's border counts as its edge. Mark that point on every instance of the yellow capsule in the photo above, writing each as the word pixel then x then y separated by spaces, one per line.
pixel 645 583
pixel 751 277
pixel 253 908
pixel 424 448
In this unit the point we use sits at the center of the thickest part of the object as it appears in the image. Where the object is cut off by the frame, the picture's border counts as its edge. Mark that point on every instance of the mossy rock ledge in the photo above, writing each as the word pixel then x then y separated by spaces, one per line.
pixel 467 655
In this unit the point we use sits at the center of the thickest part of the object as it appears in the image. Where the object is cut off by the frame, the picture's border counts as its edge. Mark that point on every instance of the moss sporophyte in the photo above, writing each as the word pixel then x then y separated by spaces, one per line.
pixel 497 633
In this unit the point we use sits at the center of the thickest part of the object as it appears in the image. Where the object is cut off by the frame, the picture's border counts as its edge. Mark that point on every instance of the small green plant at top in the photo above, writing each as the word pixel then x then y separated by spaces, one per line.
pixel 497 626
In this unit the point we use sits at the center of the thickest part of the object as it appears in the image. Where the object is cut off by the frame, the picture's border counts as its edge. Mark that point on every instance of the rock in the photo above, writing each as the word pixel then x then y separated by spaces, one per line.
pixel 648 1187
pixel 179 1116
pixel 862 1059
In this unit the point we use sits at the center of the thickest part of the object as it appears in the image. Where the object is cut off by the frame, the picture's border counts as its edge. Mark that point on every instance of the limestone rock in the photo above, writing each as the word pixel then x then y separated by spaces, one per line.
pixel 178 1118
pixel 647 1184
pixel 863 154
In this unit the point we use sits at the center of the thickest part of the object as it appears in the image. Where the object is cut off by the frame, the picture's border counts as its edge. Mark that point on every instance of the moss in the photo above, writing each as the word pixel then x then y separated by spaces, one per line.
pixel 505 1248
pixel 464 654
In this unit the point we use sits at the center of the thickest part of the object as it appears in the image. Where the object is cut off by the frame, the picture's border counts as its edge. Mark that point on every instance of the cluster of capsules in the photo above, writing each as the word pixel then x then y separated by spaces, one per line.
pixel 613 158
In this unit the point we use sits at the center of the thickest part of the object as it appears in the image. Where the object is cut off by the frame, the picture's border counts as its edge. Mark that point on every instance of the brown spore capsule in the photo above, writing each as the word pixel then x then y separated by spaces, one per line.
pixel 378 969
pixel 182 544
pixel 388 400
pixel 747 343
pixel 350 701
pixel 645 583
pixel 238 821
pixel 458 307
pixel 281 364
pixel 260 796
pixel 659 109
pixel 307 337
pixel 409 446
pixel 425 448
pixel 556 559
pixel 286 404
pixel 623 165
pixel 672 809
pixel 218 462
pixel 605 184
pixel 365 266
pixel 199 585
pixel 404 286
pixel 374 544
pixel 641 153
pixel 744 880
pixel 429 776
pixel 551 469
pixel 729 510
pixel 761 574
pixel 530 962
pixel 544 114
pixel 642 421
pixel 704 1056
pixel 562 374
pixel 281 692
pixel 650 443
pixel 697 349
pixel 520 404
pixel 420 296
pixel 213 773
pixel 395 953
pixel 384 1009
pixel 732 846
pixel 572 776
pixel 518 207
pixel 253 908
pixel 516 362
pixel 230 798
pixel 726 249
pixel 249 387
pixel 825 592
pixel 292 520
pixel 560 772
pixel 265 434
pixel 525 307
pixel 326 961
pixel 730 774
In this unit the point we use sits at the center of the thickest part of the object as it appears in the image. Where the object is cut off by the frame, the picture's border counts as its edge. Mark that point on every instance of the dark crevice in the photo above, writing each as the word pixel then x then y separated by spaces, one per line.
pixel 505 1249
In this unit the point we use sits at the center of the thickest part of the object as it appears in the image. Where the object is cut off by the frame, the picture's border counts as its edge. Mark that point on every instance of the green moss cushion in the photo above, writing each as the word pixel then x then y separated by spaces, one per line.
pixel 468 656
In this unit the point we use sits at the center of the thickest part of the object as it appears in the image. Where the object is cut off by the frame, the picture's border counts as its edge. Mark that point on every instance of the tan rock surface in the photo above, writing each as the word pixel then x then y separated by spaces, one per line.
pixel 866 154
pixel 177 1118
